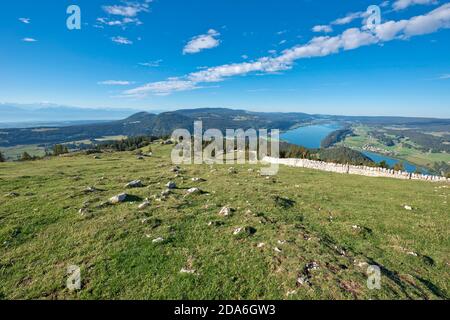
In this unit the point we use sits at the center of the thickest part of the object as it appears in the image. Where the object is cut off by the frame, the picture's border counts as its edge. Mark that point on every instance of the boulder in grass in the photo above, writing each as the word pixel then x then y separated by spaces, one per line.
pixel 409 208
pixel 144 204
pixel 118 199
pixel 198 180
pixel 244 232
pixel 226 211
pixel 158 240
pixel 134 184
pixel 171 185
pixel 193 191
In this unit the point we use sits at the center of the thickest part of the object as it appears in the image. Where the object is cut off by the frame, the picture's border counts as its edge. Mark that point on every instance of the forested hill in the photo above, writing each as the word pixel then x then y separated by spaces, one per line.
pixel 144 123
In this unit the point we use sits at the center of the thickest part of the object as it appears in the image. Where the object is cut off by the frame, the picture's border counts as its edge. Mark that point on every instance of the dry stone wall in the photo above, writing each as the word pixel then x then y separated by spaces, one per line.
pixel 352 169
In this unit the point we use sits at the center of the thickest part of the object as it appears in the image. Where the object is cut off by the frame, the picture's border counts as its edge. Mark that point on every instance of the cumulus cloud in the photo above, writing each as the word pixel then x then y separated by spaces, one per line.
pixel 25 20
pixel 445 76
pixel 322 46
pixel 29 40
pixel 121 40
pixel 322 28
pixel 115 83
pixel 123 15
pixel 403 4
pixel 202 42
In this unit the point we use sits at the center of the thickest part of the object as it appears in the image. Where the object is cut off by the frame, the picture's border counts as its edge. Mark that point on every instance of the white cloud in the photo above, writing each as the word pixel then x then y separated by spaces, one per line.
pixel 121 23
pixel 322 28
pixel 418 25
pixel 29 40
pixel 403 4
pixel 348 18
pixel 115 83
pixel 151 64
pixel 444 76
pixel 121 40
pixel 129 9
pixel 25 20
pixel 350 39
pixel 162 88
pixel 202 42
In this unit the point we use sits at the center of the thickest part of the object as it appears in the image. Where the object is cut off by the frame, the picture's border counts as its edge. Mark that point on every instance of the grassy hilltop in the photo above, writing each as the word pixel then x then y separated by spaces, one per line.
pixel 320 231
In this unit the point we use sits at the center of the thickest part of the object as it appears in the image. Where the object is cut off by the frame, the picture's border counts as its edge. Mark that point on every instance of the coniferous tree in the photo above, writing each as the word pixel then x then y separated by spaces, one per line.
pixel 2 158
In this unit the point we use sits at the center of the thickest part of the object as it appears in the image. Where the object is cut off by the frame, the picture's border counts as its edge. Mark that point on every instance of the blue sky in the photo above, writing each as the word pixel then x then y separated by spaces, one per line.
pixel 285 55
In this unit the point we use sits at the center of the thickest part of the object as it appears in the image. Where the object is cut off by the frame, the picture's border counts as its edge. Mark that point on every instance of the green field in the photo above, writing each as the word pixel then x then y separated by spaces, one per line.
pixel 14 153
pixel 338 223
pixel 412 155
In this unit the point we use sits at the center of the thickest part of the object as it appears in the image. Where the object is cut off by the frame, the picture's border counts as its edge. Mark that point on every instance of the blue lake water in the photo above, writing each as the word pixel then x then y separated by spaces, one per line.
pixel 311 137
pixel 392 161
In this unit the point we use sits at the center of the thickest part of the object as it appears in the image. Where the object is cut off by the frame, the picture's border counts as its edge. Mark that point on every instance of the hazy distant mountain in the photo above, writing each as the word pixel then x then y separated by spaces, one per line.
pixel 10 112
pixel 144 123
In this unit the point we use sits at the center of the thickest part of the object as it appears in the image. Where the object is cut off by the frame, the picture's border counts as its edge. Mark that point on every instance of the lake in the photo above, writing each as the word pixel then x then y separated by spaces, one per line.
pixel 311 137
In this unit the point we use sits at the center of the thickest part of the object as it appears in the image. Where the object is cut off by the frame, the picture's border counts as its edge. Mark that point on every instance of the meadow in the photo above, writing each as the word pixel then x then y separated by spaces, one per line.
pixel 301 234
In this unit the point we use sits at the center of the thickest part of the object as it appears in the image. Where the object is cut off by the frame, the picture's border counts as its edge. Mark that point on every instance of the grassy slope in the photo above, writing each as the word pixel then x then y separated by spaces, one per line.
pixel 412 155
pixel 41 233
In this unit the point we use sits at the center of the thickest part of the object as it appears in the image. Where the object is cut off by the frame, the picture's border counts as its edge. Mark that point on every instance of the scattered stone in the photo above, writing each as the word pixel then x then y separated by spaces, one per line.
pixel 261 245
pixel 176 169
pixel 281 242
pixel 303 280
pixel 158 240
pixel 412 253
pixel 226 211
pixel 12 195
pixel 278 250
pixel 409 208
pixel 215 224
pixel 356 227
pixel 171 185
pixel 193 191
pixel 312 266
pixel 198 180
pixel 232 170
pixel 118 199
pixel 187 271
pixel 134 184
pixel 166 193
pixel 83 212
pixel 247 231
pixel 140 158
pixel 90 190
pixel 144 204
pixel 96 157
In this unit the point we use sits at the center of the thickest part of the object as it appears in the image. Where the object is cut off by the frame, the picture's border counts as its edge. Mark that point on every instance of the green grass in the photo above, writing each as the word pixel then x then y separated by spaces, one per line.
pixel 42 233
pixel 13 153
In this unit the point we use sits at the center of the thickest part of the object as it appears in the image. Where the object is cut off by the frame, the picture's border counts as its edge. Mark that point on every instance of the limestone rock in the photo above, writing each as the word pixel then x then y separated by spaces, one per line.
pixel 144 204
pixel 118 199
pixel 134 184
pixel 171 185
pixel 226 211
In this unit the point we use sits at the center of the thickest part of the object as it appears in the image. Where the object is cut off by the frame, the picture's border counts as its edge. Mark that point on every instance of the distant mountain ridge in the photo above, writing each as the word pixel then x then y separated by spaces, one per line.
pixel 45 112
pixel 144 123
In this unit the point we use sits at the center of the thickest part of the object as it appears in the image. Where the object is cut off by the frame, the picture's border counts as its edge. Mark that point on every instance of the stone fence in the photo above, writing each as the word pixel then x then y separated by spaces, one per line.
pixel 352 169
